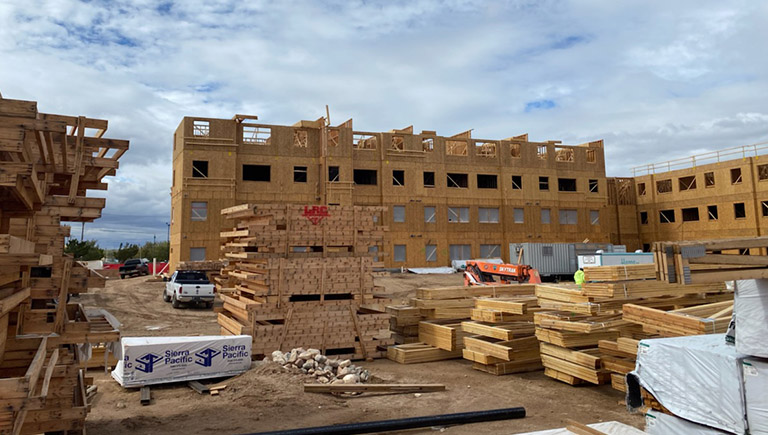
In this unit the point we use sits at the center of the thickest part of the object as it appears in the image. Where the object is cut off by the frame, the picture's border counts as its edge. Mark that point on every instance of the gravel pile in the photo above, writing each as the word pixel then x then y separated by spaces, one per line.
pixel 325 370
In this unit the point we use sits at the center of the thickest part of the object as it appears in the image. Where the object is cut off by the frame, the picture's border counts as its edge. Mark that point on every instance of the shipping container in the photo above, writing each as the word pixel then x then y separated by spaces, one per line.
pixel 556 260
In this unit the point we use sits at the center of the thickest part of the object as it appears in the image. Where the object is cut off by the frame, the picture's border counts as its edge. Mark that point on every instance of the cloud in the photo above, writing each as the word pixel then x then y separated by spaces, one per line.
pixel 656 81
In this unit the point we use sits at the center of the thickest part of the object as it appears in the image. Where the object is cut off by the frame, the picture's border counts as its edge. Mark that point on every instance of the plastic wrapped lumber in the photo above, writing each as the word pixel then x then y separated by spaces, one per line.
pixel 703 385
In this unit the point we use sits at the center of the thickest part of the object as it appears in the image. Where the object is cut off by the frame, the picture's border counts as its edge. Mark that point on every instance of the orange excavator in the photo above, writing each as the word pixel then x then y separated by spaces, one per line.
pixel 482 273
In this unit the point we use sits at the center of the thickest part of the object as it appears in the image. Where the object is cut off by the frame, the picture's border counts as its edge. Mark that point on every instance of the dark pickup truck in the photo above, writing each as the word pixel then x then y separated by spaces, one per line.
pixel 136 266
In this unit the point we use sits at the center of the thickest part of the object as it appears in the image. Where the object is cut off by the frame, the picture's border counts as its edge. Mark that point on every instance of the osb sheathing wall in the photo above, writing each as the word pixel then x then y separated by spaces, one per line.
pixel 226 153
pixel 750 190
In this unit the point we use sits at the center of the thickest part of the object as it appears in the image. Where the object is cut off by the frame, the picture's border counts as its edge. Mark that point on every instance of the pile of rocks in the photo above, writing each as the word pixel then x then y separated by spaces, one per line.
pixel 325 370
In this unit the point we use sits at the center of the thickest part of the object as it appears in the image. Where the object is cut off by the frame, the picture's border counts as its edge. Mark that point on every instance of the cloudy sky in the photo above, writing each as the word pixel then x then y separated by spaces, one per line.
pixel 655 79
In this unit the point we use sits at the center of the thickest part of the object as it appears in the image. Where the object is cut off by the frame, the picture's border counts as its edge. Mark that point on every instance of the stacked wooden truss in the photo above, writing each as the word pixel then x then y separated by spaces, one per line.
pixel 47 163
pixel 706 261
pixel 301 277
pixel 581 330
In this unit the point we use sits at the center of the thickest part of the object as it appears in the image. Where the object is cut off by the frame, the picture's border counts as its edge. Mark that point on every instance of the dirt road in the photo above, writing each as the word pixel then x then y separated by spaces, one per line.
pixel 268 398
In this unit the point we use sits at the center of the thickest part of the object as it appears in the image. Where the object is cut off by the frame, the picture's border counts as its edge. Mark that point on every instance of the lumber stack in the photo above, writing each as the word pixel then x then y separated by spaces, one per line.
pixel 711 261
pixel 47 165
pixel 434 316
pixel 696 320
pixel 618 357
pixel 501 336
pixel 302 277
pixel 580 318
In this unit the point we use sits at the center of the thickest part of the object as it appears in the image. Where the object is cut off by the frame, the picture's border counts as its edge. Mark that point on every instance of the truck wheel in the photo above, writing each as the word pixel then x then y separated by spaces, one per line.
pixel 175 302
pixel 122 276
pixel 209 305
pixel 166 298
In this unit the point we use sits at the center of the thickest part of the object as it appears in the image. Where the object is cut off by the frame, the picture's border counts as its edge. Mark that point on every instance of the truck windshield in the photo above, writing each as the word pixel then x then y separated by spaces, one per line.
pixel 132 262
pixel 191 276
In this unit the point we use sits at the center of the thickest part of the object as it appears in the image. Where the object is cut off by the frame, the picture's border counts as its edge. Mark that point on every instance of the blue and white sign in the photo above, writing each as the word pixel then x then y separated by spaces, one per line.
pixel 156 360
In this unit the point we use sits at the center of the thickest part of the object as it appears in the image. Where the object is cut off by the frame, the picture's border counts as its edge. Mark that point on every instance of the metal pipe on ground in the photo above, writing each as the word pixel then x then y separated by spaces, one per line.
pixel 406 423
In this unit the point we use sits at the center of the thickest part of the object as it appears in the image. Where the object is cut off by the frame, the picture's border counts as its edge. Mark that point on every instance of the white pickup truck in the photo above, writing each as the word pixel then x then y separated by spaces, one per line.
pixel 188 286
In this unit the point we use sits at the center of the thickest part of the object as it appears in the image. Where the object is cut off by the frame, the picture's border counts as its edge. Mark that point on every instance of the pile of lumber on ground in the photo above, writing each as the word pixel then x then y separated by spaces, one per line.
pixel 301 277
pixel 501 336
pixel 47 165
pixel 436 313
pixel 696 320
pixel 711 261
pixel 577 320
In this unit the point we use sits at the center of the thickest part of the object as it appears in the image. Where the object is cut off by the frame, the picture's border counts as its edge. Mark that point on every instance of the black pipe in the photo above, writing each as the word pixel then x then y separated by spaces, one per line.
pixel 405 423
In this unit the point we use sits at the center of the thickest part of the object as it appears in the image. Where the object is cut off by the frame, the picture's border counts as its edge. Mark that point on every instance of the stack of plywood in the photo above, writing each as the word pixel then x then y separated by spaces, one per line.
pixel 711 261
pixel 582 317
pixel 47 165
pixel 301 277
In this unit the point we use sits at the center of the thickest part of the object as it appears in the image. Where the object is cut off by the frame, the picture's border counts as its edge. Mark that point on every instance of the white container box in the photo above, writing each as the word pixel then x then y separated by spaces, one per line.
pixel 157 360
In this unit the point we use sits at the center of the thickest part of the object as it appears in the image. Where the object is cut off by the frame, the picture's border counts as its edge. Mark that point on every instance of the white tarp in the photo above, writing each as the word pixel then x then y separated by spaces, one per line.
pixel 606 427
pixel 697 378
pixel 156 360
pixel 659 423
pixel 432 270
pixel 750 307
pixel 755 372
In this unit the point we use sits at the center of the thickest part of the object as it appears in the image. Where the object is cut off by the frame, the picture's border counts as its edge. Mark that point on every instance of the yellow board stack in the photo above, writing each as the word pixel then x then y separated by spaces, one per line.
pixel 302 277
pixel 47 165
pixel 501 336
pixel 578 319
pixel 412 323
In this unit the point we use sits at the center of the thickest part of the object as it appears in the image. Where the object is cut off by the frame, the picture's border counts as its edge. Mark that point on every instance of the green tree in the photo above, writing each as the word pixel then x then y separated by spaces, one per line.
pixel 84 250
pixel 158 250
pixel 126 252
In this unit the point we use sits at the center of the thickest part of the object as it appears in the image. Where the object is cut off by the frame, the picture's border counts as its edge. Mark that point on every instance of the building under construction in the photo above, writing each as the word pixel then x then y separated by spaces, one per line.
pixel 454 197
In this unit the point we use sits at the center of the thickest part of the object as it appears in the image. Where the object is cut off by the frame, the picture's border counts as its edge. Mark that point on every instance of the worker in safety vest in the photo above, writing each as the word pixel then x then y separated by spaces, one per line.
pixel 578 277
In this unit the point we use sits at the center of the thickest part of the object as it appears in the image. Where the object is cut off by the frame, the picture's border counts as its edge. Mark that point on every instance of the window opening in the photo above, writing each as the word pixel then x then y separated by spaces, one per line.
pixel 256 173
pixel 199 169
pixel 487 181
pixel 256 135
pixel 365 177
pixel 398 177
pixel 459 181
pixel 299 174
pixel 201 128
pixel 429 179
pixel 363 141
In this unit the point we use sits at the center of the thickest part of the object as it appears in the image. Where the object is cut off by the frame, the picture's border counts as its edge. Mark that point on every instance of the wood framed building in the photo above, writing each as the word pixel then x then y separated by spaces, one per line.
pixel 447 198
pixel 726 196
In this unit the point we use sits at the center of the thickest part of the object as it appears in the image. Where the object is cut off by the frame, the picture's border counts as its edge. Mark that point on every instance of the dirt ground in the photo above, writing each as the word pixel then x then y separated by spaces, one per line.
pixel 270 398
